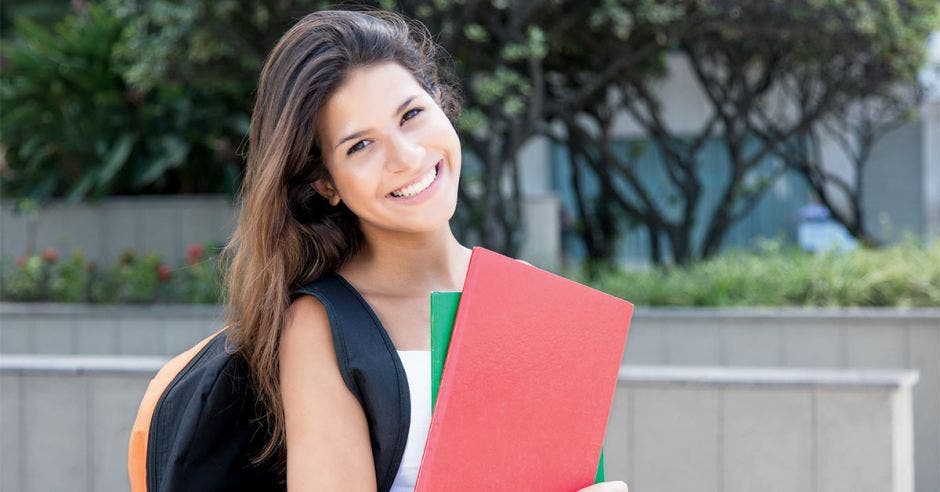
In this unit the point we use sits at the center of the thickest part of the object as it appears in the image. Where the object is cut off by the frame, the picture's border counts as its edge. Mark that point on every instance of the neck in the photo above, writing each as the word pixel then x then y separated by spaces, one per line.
pixel 412 264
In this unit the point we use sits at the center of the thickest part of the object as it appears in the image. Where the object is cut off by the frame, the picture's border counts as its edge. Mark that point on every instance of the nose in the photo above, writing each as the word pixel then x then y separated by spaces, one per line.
pixel 404 153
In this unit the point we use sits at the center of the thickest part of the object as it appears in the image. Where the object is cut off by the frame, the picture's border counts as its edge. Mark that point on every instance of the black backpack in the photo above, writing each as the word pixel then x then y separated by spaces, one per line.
pixel 199 424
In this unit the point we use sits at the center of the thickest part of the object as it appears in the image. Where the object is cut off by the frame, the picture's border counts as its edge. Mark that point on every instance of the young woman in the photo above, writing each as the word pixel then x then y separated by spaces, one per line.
pixel 353 168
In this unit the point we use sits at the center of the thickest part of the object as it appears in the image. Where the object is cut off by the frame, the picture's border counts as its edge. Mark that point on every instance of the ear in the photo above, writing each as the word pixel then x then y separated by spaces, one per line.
pixel 327 190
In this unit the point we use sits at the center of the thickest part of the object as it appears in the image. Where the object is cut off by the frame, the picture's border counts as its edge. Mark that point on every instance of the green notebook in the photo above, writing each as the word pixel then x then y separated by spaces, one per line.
pixel 443 312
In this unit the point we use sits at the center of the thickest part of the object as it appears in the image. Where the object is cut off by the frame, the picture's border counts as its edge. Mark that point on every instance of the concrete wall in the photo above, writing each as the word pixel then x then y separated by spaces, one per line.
pixel 893 185
pixel 819 338
pixel 542 246
pixel 164 225
pixel 105 329
pixel 66 422
pixel 930 116
pixel 838 338
pixel 742 429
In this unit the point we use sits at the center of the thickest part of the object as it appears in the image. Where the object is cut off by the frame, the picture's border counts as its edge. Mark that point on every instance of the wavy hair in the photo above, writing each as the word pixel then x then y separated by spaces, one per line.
pixel 287 234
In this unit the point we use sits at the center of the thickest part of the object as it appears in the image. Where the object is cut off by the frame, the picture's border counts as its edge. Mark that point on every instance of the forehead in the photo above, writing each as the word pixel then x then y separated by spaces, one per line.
pixel 369 94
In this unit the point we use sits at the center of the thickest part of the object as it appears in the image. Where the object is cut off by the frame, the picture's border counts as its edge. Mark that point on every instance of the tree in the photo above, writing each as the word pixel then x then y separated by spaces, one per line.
pixel 746 57
pixel 495 47
pixel 868 70
pixel 856 129
pixel 511 56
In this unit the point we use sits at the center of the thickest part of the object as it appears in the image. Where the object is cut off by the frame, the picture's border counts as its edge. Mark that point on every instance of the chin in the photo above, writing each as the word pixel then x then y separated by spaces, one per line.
pixel 431 222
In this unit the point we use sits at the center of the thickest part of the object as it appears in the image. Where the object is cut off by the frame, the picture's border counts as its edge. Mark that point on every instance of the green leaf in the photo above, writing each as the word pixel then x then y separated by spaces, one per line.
pixel 173 153
pixel 116 158
pixel 81 188
pixel 477 33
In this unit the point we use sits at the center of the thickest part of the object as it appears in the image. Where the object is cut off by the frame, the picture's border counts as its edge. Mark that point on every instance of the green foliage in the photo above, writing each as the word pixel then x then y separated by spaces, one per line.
pixel 199 281
pixel 41 11
pixel 66 123
pixel 80 121
pixel 26 282
pixel 71 280
pixel 477 33
pixel 133 278
pixel 904 275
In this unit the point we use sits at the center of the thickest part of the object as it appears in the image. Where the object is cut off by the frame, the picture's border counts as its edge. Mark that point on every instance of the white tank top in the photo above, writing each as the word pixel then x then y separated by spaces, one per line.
pixel 417 365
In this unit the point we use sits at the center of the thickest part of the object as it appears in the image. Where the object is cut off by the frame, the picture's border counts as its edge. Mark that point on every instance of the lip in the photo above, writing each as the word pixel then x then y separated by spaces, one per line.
pixel 425 193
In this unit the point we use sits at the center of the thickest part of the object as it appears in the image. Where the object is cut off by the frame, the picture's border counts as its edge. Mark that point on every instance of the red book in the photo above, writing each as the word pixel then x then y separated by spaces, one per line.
pixel 527 384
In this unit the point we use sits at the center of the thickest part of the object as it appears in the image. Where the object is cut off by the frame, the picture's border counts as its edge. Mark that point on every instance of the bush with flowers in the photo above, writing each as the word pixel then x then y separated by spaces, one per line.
pixel 903 275
pixel 134 278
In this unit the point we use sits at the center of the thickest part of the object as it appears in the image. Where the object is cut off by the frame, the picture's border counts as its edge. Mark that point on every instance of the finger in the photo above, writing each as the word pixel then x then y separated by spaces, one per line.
pixel 615 486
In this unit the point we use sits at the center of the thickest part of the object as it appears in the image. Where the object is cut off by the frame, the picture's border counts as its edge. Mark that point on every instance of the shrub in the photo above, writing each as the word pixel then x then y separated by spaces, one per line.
pixel 134 278
pixel 74 127
pixel 903 275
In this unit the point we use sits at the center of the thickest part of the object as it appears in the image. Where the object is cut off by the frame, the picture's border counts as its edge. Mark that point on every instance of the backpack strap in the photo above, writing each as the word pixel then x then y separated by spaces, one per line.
pixel 371 369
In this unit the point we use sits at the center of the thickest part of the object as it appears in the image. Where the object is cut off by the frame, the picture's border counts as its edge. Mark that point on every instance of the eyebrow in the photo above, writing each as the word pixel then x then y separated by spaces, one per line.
pixel 358 134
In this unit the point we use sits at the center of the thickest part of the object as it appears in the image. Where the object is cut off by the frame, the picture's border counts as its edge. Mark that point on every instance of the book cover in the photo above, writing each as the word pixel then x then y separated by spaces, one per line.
pixel 527 381
pixel 443 311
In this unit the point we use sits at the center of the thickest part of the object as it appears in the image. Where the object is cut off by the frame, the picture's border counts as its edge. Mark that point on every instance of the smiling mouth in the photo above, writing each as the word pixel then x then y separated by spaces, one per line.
pixel 418 187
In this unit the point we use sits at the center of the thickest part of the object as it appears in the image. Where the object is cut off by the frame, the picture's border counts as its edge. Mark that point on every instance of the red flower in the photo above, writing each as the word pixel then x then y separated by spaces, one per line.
pixel 194 253
pixel 20 261
pixel 164 272
pixel 50 254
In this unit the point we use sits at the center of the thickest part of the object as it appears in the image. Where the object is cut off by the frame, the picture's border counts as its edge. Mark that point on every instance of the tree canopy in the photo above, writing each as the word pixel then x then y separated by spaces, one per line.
pixel 155 96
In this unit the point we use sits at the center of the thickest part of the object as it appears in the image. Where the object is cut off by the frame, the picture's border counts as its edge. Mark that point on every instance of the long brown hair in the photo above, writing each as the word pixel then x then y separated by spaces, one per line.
pixel 287 234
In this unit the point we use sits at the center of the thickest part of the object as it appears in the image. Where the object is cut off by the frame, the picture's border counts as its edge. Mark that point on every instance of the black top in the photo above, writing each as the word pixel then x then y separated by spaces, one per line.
pixel 206 425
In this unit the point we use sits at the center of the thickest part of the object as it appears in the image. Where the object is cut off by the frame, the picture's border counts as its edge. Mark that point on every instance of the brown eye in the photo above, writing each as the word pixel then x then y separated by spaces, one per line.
pixel 414 110
pixel 355 148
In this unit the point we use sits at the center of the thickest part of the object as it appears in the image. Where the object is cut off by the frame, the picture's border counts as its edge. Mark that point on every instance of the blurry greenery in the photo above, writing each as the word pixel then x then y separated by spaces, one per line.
pixel 903 275
pixel 74 127
pixel 134 278
pixel 199 281
pixel 43 11
pixel 25 282
pixel 72 279
pixel 154 96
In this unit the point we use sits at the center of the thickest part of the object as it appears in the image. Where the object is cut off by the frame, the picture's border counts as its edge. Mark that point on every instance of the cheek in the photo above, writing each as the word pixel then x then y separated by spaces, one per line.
pixel 353 184
pixel 447 137
pixel 455 149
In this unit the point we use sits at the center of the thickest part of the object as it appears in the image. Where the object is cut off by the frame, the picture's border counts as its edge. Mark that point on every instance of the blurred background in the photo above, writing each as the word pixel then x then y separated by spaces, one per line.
pixel 761 178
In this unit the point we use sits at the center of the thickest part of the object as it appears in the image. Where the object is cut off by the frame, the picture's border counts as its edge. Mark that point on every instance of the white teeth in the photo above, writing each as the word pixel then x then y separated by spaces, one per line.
pixel 417 187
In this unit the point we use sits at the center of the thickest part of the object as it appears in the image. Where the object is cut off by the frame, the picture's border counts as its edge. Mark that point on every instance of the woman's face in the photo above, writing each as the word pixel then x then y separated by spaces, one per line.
pixel 392 154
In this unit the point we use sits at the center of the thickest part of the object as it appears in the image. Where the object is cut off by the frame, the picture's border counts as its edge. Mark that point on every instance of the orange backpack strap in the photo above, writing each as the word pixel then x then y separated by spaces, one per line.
pixel 137 448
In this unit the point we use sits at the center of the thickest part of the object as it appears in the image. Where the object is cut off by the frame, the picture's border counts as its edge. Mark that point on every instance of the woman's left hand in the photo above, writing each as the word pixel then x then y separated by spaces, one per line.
pixel 616 486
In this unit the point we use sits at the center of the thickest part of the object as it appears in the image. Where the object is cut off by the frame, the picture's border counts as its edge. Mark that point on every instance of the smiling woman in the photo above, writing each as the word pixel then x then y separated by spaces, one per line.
pixel 353 169
pixel 343 233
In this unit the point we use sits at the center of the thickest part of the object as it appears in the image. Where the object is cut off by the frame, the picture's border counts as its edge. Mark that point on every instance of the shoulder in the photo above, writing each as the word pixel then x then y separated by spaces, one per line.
pixel 305 319
pixel 318 406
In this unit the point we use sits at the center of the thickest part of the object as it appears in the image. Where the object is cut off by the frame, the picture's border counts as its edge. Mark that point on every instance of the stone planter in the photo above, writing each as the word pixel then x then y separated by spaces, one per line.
pixel 784 338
